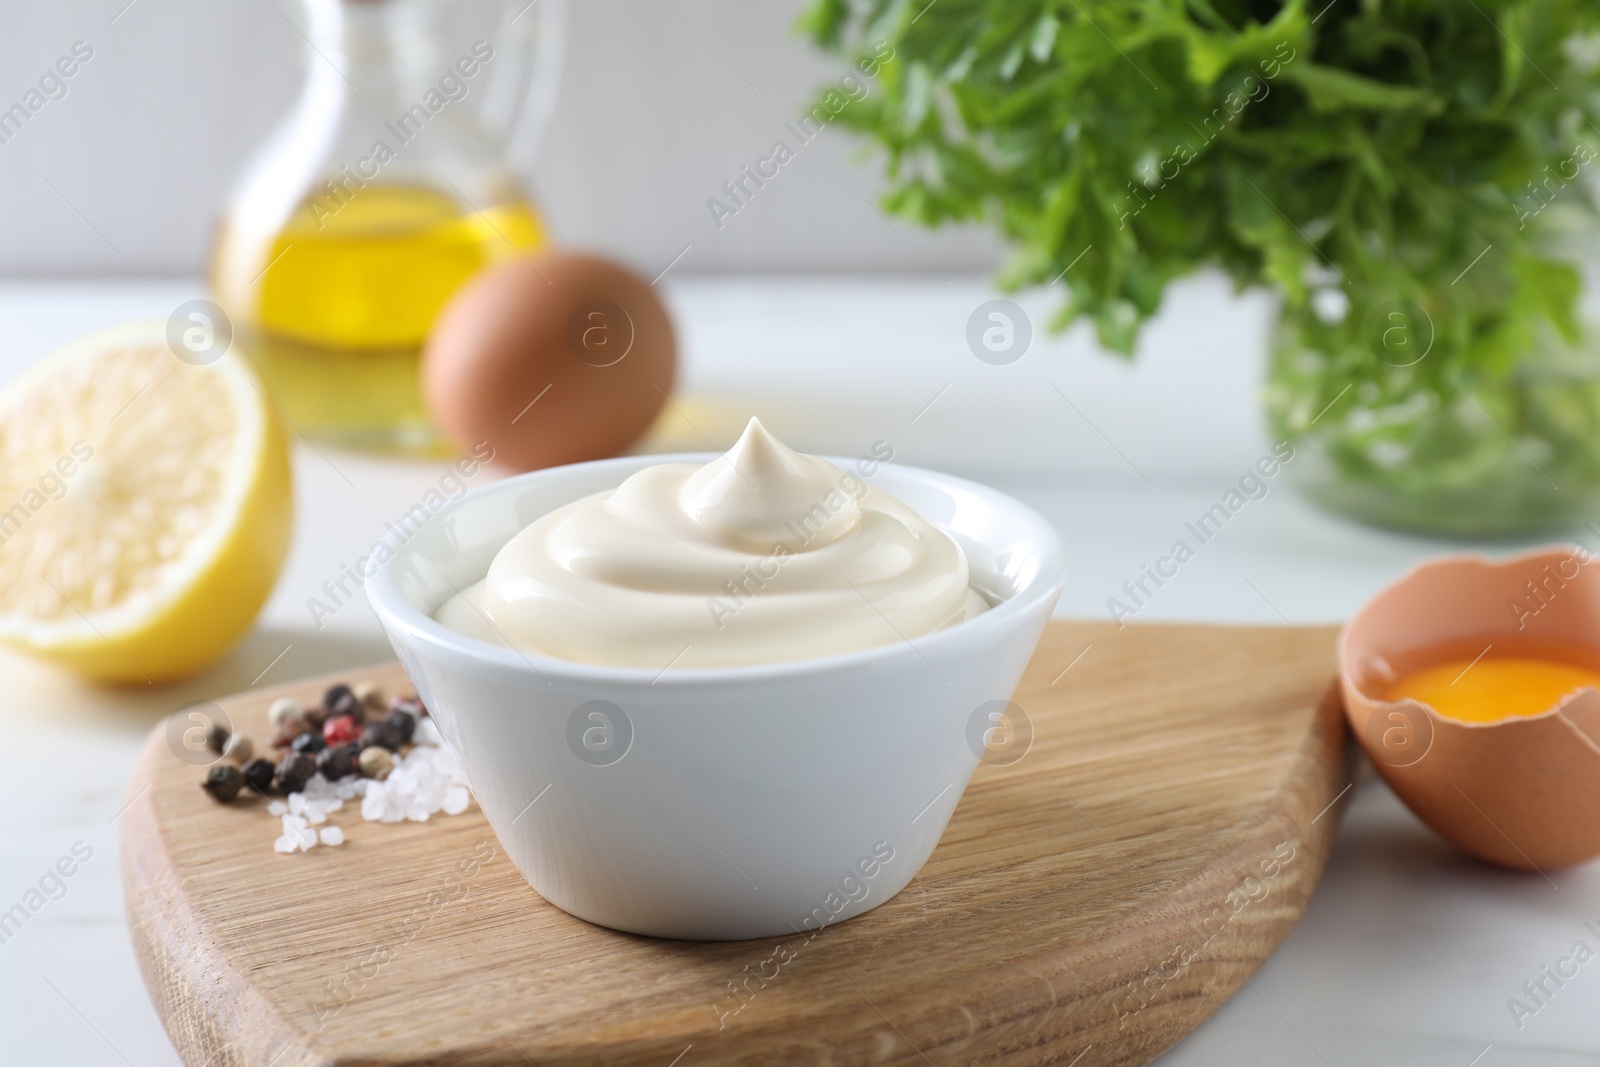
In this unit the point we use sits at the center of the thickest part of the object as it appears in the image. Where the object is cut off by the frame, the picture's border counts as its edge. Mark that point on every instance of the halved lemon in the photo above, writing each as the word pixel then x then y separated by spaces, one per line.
pixel 145 507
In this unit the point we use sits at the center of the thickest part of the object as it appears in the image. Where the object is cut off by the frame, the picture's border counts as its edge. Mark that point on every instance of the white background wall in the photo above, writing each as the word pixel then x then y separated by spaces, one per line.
pixel 662 100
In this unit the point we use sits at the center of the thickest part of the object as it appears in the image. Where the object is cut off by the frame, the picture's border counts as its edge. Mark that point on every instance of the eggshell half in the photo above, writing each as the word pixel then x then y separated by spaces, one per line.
pixel 1523 793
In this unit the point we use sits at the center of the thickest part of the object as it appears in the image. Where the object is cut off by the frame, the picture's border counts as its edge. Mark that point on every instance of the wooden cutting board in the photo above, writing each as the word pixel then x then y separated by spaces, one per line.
pixel 1089 904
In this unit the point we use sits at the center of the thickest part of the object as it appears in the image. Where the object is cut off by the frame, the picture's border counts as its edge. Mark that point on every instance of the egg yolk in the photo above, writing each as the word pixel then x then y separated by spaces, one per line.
pixel 1494 687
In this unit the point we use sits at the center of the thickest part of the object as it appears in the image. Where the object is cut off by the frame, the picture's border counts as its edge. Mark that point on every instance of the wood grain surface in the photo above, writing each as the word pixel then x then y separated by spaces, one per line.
pixel 1089 904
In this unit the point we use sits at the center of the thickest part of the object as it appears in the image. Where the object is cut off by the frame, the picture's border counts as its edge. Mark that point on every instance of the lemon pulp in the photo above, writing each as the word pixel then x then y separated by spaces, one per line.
pixel 145 507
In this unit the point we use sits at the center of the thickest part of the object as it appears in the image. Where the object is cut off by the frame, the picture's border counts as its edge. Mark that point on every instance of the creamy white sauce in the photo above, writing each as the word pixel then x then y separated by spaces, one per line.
pixel 760 556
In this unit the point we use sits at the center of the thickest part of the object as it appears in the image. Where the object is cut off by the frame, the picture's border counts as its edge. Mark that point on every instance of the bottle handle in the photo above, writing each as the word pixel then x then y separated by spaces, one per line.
pixel 536 42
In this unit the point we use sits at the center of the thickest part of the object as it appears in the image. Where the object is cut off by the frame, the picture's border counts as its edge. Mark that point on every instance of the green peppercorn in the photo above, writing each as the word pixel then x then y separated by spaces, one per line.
pixel 376 762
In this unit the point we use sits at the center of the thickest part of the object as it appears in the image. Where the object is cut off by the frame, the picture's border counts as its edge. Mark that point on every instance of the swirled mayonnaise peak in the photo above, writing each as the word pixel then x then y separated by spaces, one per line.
pixel 760 556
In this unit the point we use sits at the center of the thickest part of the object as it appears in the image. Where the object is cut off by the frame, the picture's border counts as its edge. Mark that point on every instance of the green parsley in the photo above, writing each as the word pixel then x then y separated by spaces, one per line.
pixel 1358 156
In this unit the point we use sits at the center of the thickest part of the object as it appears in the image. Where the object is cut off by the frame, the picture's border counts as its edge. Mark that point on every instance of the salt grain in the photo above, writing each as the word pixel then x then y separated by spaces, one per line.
pixel 295 836
pixel 456 799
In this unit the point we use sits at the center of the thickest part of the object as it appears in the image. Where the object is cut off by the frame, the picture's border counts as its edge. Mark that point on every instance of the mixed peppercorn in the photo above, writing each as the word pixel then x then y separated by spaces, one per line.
pixel 355 731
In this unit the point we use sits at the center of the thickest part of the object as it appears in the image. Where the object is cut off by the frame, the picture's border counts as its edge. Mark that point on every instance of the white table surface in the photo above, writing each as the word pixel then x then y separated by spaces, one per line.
pixel 1408 952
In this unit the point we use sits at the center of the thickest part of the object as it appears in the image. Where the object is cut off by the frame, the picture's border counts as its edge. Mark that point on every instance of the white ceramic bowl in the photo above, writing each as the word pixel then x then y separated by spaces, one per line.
pixel 718 803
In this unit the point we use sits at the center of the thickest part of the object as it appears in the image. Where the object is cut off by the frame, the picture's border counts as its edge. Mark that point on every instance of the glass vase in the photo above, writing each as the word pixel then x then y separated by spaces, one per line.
pixel 1398 429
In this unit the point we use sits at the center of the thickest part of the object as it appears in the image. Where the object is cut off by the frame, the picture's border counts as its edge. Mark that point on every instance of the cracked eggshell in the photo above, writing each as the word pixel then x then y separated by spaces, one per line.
pixel 1524 792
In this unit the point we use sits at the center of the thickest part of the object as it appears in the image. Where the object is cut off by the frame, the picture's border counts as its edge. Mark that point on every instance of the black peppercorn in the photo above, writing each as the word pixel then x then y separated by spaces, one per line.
pixel 315 717
pixel 309 742
pixel 404 723
pixel 382 734
pixel 336 763
pixel 293 772
pixel 410 704
pixel 222 782
pixel 258 774
pixel 341 700
pixel 217 738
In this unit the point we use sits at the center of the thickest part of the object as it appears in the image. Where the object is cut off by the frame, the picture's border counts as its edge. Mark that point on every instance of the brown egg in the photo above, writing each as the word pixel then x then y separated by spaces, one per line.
pixel 1521 791
pixel 564 358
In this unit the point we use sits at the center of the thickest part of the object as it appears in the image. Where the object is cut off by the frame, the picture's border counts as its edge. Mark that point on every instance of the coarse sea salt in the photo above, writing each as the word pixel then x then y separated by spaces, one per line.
pixel 426 780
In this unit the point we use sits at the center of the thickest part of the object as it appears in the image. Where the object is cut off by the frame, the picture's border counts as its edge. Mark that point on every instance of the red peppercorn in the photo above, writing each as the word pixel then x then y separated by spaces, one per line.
pixel 340 730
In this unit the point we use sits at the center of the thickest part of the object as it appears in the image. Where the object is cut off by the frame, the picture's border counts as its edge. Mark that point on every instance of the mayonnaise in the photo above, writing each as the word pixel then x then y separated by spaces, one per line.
pixel 760 556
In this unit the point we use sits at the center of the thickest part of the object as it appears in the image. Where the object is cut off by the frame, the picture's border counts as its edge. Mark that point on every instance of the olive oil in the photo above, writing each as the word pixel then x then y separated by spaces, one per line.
pixel 336 319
